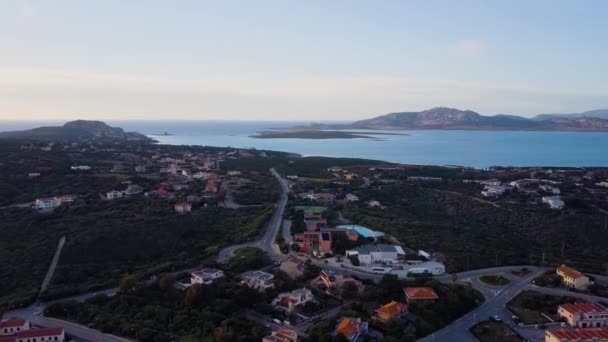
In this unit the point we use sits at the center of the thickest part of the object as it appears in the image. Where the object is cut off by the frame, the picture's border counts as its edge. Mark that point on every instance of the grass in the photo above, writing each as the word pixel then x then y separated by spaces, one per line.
pixel 534 308
pixel 494 280
pixel 495 332
pixel 313 209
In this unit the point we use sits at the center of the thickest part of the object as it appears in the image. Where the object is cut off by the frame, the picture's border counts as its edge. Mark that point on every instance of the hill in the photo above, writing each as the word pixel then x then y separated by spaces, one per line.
pixel 451 118
pixel 598 113
pixel 77 130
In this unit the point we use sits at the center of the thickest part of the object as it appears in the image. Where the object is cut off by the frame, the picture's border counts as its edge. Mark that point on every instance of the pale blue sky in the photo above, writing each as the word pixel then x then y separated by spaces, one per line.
pixel 302 60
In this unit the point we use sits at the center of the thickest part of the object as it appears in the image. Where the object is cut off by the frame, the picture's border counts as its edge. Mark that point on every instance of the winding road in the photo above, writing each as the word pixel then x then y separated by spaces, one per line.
pixel 266 242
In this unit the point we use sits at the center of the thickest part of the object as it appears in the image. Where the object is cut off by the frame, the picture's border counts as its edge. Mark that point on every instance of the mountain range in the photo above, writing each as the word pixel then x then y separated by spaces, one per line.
pixel 451 118
pixel 77 130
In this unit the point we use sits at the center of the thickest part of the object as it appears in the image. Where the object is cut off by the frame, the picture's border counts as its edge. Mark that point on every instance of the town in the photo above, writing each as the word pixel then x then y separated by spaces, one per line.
pixel 241 244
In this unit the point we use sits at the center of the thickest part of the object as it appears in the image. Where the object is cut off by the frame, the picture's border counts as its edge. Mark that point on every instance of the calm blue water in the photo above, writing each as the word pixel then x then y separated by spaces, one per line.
pixel 467 148
pixel 363 231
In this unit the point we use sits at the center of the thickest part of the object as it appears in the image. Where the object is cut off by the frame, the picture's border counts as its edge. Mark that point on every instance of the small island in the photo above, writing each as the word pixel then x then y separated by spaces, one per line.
pixel 317 134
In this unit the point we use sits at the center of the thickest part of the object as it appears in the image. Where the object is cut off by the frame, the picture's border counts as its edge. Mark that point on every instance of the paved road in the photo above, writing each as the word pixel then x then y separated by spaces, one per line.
pixel 51 271
pixel 267 241
pixel 495 305
pixel 79 331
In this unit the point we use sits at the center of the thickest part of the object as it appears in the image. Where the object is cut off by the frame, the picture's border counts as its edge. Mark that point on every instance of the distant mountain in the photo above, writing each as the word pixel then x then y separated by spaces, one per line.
pixel 77 130
pixel 598 113
pixel 451 118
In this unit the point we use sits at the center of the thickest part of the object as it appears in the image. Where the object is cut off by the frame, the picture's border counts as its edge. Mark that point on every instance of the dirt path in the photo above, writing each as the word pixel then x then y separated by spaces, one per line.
pixel 51 271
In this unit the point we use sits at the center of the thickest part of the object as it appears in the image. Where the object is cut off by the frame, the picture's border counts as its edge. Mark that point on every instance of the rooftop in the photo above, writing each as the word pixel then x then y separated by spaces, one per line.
pixel 348 326
pixel 576 308
pixel 420 293
pixel 40 332
pixel 368 249
pixel 392 308
pixel 570 272
pixel 11 323
pixel 576 334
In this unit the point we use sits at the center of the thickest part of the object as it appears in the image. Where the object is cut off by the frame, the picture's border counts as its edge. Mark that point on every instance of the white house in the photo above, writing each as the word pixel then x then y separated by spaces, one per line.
pixel 258 280
pixel 46 203
pixel 41 335
pixel 81 168
pixel 375 254
pixel 352 198
pixel 206 276
pixel 290 300
pixel 554 202
pixel 13 326
pixel 114 194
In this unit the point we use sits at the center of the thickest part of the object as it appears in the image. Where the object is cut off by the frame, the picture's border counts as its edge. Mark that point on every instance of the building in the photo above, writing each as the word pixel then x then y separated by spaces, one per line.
pixel 334 282
pixel 114 194
pixel 352 198
pixel 50 203
pixel 577 335
pixel 420 294
pixel 41 335
pixel 13 326
pixel 289 301
pixel 206 276
pixel 281 335
pixel 493 190
pixel 391 310
pixel 133 190
pixel 293 266
pixel 183 207
pixel 258 280
pixel 81 168
pixel 325 198
pixel 46 203
pixel 351 328
pixel 573 278
pixel 584 315
pixel 554 202
pixel 377 254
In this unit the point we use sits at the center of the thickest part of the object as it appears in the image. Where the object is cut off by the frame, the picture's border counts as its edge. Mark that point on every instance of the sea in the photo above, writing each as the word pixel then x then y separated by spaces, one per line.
pixel 478 149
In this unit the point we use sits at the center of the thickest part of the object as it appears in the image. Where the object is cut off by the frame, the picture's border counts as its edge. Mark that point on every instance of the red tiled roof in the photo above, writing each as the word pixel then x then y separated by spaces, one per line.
pixel 570 272
pixel 577 308
pixel 12 323
pixel 40 332
pixel 8 339
pixel 420 293
pixel 392 308
pixel 348 326
pixel 575 334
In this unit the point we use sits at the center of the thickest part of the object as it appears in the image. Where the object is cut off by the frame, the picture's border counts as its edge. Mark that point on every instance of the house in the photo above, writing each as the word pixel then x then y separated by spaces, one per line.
pixel 420 294
pixel 325 198
pixel 206 276
pixel 33 174
pixel 334 282
pixel 46 203
pixel 293 266
pixel 374 204
pixel 375 254
pixel 233 173
pixel 289 301
pixel 391 310
pixel 183 207
pixel 281 335
pixel 114 194
pixel 41 335
pixel 50 203
pixel 584 315
pixel 13 326
pixel 493 190
pixel 81 168
pixel 258 280
pixel 573 278
pixel 133 190
pixel 351 328
pixel 577 335
pixel 554 202
pixel 352 198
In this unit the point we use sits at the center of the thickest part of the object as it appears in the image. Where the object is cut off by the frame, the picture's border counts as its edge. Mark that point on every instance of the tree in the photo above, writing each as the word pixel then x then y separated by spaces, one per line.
pixel 340 338
pixel 166 281
pixel 127 283
pixel 193 295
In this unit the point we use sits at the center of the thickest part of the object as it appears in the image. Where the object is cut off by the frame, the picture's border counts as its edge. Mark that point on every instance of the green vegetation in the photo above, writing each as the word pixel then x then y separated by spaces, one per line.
pixel 495 332
pixel 494 280
pixel 150 314
pixel 533 307
pixel 260 189
pixel 247 258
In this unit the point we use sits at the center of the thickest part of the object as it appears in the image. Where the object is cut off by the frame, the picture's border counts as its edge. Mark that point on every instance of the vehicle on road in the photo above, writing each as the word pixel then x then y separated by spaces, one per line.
pixel 381 270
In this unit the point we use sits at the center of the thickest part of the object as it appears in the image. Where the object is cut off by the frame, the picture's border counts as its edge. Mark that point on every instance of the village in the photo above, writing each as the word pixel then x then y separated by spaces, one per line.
pixel 325 270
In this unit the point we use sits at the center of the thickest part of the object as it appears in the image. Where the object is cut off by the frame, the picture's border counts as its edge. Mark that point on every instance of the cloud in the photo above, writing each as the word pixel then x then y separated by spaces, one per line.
pixel 470 48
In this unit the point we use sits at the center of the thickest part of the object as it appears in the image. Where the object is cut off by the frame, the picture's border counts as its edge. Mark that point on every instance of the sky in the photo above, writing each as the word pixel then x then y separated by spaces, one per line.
pixel 298 60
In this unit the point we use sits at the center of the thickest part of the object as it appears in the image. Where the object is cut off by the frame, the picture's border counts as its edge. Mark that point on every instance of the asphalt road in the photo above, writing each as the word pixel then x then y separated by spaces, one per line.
pixel 495 304
pixel 51 271
pixel 265 242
